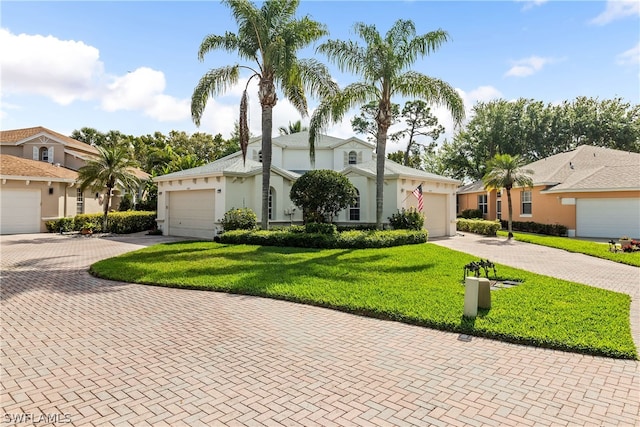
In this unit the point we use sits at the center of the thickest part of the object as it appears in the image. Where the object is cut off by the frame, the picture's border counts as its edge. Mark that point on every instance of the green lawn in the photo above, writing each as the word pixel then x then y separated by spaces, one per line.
pixel 419 284
pixel 595 249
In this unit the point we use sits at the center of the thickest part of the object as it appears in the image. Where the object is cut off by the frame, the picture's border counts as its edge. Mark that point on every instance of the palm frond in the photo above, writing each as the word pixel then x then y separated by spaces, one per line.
pixel 228 42
pixel 347 55
pixel 316 78
pixel 211 84
pixel 431 90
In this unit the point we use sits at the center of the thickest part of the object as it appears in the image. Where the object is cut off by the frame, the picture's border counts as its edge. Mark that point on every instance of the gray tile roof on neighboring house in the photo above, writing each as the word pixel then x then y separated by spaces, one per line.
pixel 588 168
pixel 392 168
pixel 231 164
pixel 474 187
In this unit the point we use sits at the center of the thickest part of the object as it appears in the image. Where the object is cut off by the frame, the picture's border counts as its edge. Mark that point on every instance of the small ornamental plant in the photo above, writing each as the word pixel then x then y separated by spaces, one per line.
pixel 239 219
pixel 407 219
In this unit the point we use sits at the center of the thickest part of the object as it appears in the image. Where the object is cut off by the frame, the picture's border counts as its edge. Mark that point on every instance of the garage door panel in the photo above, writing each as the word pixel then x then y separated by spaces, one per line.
pixel 19 211
pixel 192 213
pixel 435 210
pixel 608 218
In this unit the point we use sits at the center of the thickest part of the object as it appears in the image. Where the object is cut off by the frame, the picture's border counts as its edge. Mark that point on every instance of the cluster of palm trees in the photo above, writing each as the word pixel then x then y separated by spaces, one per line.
pixel 269 38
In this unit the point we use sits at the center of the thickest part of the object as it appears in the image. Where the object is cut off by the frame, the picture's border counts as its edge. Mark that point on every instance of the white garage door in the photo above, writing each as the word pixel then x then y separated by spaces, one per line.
pixel 435 210
pixel 608 218
pixel 19 211
pixel 192 213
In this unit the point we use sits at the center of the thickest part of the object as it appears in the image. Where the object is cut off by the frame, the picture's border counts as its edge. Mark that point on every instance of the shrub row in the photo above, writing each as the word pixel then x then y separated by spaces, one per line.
pixel 471 213
pixel 478 226
pixel 537 228
pixel 344 240
pixel 117 222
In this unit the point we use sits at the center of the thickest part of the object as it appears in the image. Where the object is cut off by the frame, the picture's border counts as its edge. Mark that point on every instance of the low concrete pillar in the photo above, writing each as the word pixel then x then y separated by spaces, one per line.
pixel 484 293
pixel 471 296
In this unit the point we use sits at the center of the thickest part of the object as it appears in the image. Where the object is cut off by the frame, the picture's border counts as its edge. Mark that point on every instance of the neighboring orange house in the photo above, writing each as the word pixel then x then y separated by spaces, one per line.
pixel 593 191
pixel 38 173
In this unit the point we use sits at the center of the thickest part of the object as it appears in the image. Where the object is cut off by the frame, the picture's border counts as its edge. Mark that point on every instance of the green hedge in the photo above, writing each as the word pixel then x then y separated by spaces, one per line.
pixel 471 214
pixel 537 228
pixel 344 240
pixel 117 222
pixel 60 225
pixel 478 226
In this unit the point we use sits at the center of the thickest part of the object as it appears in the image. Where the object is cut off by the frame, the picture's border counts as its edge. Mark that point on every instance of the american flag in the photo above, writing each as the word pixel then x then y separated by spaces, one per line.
pixel 418 193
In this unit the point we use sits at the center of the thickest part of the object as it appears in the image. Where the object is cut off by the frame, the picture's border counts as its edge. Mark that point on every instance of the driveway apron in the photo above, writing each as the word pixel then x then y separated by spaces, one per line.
pixel 84 351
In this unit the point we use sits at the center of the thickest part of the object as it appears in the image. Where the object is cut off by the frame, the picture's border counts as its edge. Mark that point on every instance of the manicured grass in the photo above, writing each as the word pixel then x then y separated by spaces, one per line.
pixel 595 249
pixel 419 284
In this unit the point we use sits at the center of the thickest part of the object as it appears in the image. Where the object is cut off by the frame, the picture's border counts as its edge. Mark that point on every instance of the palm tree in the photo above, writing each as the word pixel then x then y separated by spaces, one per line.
pixel 383 64
pixel 505 171
pixel 113 165
pixel 295 127
pixel 268 37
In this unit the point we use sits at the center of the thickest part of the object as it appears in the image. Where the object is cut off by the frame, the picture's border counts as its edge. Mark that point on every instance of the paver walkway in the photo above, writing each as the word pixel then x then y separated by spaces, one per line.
pixel 107 353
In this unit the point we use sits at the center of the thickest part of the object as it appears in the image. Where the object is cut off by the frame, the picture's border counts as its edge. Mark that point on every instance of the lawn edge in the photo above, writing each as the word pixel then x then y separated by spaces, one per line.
pixel 402 319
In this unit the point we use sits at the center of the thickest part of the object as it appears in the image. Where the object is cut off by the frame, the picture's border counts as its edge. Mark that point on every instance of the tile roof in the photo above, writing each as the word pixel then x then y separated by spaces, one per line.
pixel 301 140
pixel 231 164
pixel 474 187
pixel 392 168
pixel 588 168
pixel 12 166
pixel 14 136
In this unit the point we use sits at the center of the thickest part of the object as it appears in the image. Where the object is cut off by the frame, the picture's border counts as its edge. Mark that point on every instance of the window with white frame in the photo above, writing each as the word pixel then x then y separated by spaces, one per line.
pixel 353 157
pixel 499 209
pixel 271 202
pixel 354 210
pixel 482 204
pixel 525 202
pixel 44 154
pixel 79 202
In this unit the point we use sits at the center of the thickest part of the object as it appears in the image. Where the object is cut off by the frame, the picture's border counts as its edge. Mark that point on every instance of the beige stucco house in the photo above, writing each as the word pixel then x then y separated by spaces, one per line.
pixel 38 173
pixel 593 191
pixel 192 202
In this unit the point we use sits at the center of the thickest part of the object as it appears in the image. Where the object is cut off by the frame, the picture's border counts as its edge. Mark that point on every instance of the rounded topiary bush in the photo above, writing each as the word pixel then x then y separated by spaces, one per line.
pixel 239 219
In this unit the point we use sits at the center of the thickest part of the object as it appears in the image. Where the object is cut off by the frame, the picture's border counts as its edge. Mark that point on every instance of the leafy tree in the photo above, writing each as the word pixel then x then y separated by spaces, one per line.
pixel 414 161
pixel 533 130
pixel 420 123
pixel 269 37
pixel 112 167
pixel 322 193
pixel 384 65
pixel 505 171
pixel 295 127
pixel 366 124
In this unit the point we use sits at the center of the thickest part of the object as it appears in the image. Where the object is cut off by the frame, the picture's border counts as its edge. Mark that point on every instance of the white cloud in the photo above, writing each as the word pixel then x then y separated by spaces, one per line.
pixel 142 90
pixel 617 9
pixel 66 71
pixel 529 4
pixel 63 70
pixel 528 66
pixel 629 57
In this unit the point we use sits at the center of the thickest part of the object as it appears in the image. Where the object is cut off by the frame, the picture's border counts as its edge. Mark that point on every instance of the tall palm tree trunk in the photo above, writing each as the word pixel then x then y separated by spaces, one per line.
pixel 107 202
pixel 381 149
pixel 510 208
pixel 268 99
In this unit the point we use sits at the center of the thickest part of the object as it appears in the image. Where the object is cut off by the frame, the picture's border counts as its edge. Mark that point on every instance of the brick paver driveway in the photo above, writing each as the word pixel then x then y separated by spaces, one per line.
pixel 94 352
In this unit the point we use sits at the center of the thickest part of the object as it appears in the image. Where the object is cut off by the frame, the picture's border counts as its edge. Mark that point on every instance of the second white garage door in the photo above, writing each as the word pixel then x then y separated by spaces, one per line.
pixel 608 218
pixel 192 213
pixel 19 211
pixel 435 210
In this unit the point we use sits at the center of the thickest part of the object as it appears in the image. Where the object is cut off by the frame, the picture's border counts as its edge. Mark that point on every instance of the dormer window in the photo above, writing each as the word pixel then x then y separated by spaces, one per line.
pixel 44 154
pixel 353 157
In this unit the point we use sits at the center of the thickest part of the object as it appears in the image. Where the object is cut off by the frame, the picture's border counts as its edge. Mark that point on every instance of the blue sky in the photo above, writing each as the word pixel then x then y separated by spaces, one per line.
pixel 132 66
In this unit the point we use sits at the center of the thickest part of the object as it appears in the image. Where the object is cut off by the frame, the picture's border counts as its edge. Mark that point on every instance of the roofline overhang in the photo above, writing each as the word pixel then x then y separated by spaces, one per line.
pixel 588 190
pixel 36 178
